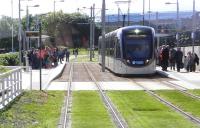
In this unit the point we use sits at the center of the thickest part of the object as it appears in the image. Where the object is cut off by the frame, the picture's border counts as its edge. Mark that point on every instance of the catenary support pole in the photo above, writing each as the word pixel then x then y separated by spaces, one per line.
pixel 103 35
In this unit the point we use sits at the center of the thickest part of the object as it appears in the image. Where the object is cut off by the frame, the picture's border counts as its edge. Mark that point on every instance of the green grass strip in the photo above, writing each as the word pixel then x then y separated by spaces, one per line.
pixel 143 111
pixel 34 109
pixel 85 58
pixel 3 69
pixel 88 111
pixel 184 102
pixel 195 92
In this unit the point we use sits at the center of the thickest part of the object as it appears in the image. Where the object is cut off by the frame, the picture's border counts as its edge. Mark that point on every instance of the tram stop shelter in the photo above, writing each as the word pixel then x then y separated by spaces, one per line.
pixel 160 35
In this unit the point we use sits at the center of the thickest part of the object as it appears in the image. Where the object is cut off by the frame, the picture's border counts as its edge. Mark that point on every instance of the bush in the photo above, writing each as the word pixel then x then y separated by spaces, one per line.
pixel 3 69
pixel 9 59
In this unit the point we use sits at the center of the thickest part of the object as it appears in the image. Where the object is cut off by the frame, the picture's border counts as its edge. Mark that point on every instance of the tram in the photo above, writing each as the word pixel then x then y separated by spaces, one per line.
pixel 130 50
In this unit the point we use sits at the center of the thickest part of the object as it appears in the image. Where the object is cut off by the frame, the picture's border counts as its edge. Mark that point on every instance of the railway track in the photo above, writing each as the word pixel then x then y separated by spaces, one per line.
pixel 65 116
pixel 152 93
pixel 117 118
pixel 180 89
pixel 92 73
pixel 171 85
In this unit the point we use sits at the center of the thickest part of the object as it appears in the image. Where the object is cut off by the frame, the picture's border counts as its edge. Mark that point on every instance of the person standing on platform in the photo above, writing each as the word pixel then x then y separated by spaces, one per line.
pixel 67 53
pixel 76 52
pixel 196 61
pixel 165 58
pixel 178 57
pixel 190 62
pixel 172 60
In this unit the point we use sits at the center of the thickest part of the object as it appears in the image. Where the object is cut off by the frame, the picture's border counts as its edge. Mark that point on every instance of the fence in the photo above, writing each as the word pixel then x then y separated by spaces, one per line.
pixel 10 86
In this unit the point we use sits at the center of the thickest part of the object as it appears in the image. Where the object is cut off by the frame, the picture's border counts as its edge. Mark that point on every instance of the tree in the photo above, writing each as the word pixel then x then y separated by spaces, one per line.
pixel 63 27
pixel 6 33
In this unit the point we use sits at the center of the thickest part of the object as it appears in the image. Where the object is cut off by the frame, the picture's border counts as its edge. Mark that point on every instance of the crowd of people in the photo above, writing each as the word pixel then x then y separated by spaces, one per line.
pixel 166 56
pixel 50 57
pixel 169 57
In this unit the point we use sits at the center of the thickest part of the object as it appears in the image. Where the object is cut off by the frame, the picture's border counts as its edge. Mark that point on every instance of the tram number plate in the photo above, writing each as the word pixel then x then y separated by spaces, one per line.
pixel 137 62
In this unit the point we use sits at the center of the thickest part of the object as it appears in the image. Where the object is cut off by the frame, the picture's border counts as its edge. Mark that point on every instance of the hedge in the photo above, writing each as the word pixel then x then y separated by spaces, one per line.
pixel 9 59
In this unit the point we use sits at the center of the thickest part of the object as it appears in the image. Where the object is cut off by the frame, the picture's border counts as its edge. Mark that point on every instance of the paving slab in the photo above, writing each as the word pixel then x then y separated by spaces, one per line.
pixel 154 85
pixel 77 86
pixel 186 84
pixel 58 86
pixel 119 86
pixel 190 80
pixel 31 79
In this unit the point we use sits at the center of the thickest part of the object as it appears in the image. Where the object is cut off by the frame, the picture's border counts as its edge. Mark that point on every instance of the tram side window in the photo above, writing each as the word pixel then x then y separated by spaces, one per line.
pixel 99 51
pixel 112 46
pixel 107 46
pixel 118 53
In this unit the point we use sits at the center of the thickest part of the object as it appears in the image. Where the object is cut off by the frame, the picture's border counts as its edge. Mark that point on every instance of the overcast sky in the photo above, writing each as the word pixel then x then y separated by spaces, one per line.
pixel 72 5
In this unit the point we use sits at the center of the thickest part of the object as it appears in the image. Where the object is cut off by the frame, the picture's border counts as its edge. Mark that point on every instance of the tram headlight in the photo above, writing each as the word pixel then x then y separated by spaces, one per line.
pixel 147 61
pixel 137 31
pixel 128 61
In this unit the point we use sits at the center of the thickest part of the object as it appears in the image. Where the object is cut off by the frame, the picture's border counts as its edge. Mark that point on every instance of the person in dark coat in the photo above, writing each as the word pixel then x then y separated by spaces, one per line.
pixel 196 61
pixel 67 53
pixel 172 60
pixel 178 57
pixel 165 58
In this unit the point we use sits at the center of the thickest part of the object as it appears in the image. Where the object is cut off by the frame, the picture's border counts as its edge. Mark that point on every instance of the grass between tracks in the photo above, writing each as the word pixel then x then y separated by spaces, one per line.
pixel 195 91
pixel 88 111
pixel 34 109
pixel 184 102
pixel 85 58
pixel 143 111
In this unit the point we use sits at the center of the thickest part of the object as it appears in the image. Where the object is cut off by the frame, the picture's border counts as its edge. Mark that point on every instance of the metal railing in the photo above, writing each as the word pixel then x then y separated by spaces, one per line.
pixel 10 86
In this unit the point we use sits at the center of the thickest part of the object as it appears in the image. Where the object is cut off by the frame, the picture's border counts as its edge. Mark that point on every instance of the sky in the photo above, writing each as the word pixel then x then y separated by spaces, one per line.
pixel 70 6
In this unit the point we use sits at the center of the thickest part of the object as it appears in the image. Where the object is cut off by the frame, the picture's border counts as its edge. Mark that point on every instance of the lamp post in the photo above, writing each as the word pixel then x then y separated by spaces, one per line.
pixel 193 26
pixel 128 13
pixel 54 6
pixel 157 22
pixel 177 20
pixel 20 33
pixel 20 36
pixel 91 44
pixel 149 11
pixel 143 12
pixel 91 32
pixel 103 35
pixel 27 23
pixel 12 24
pixel 92 29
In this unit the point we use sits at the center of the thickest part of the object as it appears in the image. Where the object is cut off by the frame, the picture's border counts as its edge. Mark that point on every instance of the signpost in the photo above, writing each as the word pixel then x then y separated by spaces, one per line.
pixel 32 34
pixel 37 34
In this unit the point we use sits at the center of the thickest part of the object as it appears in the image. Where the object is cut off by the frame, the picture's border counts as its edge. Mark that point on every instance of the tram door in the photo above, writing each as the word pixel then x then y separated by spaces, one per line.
pixel 117 55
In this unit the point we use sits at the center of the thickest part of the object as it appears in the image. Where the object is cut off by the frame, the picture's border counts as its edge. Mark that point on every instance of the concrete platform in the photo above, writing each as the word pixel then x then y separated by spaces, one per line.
pixel 31 79
pixel 119 86
pixel 187 80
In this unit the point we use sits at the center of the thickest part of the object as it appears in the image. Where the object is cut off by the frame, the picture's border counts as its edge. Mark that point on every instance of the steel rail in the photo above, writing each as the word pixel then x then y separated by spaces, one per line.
pixel 121 123
pixel 183 90
pixel 191 117
pixel 67 105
